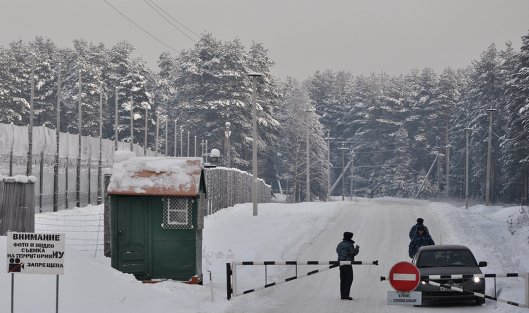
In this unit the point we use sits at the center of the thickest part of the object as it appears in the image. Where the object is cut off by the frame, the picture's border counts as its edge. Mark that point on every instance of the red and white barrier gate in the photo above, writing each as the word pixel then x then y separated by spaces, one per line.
pixel 231 272
pixel 427 280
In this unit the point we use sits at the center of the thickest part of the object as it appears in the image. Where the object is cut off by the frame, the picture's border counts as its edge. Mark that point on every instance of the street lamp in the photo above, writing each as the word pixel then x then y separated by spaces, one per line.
pixel 253 76
pixel 227 134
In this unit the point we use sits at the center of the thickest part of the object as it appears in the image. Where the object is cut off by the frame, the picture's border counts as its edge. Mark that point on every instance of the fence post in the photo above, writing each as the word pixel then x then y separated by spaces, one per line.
pixel 89 180
pixel 11 163
pixel 41 179
pixel 56 183
pixel 106 207
pixel 527 289
pixel 228 281
pixel 66 183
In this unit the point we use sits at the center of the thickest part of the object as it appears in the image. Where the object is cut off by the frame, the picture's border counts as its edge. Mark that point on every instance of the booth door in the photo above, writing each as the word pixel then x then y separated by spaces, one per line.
pixel 132 229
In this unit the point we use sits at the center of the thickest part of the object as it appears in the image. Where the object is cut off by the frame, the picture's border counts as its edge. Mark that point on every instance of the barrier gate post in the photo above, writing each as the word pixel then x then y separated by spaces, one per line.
pixel 527 289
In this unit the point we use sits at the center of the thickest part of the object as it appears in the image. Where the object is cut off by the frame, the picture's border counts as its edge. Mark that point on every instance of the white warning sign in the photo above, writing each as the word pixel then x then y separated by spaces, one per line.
pixel 31 253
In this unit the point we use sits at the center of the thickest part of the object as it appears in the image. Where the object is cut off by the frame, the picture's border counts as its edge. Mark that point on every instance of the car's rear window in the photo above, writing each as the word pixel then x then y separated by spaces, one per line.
pixel 455 258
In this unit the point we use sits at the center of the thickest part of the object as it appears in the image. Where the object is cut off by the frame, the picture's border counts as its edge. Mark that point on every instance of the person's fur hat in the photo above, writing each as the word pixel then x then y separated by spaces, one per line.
pixel 347 235
pixel 420 220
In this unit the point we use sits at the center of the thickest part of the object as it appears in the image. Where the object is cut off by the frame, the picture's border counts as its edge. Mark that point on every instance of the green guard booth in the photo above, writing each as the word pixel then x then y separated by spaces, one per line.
pixel 157 217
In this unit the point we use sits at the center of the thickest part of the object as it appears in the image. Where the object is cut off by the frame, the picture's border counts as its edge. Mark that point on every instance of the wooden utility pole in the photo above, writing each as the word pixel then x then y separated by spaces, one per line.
pixel 467 133
pixel 489 158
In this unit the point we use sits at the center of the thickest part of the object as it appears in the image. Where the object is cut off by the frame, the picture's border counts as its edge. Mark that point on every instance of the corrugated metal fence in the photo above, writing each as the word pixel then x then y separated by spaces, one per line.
pixel 17 206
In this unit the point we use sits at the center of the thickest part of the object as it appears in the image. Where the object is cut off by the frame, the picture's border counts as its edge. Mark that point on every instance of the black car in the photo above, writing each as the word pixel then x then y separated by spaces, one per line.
pixel 449 260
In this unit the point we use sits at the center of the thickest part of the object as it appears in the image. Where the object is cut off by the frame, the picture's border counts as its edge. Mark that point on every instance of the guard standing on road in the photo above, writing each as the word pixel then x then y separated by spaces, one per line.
pixel 346 251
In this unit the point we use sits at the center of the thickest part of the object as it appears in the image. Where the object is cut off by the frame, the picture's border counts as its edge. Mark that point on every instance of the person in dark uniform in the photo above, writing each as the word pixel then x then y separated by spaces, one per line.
pixel 422 238
pixel 346 251
pixel 413 230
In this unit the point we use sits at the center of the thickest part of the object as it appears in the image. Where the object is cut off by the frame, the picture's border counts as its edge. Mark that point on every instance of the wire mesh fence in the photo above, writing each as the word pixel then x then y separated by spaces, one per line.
pixel 84 232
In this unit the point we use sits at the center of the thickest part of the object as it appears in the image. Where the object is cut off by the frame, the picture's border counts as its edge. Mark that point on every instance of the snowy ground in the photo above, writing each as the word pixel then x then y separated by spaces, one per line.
pixel 307 231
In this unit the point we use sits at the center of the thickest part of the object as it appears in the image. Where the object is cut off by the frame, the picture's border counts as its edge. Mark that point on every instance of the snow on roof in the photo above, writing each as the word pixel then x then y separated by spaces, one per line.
pixel 155 176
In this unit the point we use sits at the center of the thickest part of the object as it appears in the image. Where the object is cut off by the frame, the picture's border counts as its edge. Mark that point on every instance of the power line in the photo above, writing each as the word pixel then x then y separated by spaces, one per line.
pixel 152 1
pixel 508 139
pixel 145 31
pixel 168 21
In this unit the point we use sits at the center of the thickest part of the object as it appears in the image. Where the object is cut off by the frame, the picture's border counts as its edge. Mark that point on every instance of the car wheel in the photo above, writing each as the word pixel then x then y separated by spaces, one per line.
pixel 480 300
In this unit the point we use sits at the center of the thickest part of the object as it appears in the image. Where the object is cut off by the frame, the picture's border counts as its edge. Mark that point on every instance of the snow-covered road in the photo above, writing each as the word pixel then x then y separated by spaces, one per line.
pixel 380 227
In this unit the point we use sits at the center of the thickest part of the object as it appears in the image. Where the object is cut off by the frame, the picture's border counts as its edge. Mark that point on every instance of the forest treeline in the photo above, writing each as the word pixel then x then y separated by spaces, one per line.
pixel 395 128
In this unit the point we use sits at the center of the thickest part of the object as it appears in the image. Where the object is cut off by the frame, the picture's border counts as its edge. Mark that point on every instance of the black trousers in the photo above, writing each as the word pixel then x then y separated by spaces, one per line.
pixel 346 280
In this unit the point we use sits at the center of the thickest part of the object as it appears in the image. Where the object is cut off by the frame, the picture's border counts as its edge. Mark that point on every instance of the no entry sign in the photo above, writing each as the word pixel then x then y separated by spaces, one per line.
pixel 404 276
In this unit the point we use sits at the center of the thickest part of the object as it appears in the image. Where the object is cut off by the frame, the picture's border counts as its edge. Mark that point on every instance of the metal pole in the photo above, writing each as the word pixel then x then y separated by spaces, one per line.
pixel 79 151
pixel 41 178
pixel 467 133
pixel 227 152
pixel 166 136
pixel 195 153
pixel 307 161
pixel 181 141
pixel 57 296
pixel 352 172
pixel 187 144
pixel 254 143
pixel 157 133
pixel 131 125
pixel 489 151
pixel 116 120
pixel 146 130
pixel 29 169
pixel 343 167
pixel 175 139
pixel 328 166
pixel 447 164
pixel 527 289
pixel 100 162
pixel 12 292
pixel 57 139
pixel 206 151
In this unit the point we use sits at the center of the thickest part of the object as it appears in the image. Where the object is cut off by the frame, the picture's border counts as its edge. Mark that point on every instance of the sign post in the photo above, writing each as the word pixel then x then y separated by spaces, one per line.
pixel 404 277
pixel 31 253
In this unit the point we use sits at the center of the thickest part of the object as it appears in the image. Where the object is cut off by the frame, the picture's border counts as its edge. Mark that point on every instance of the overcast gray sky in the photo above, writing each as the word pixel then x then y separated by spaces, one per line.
pixel 302 36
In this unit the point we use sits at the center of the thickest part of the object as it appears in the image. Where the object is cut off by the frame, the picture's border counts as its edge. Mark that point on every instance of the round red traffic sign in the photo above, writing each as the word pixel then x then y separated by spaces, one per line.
pixel 404 276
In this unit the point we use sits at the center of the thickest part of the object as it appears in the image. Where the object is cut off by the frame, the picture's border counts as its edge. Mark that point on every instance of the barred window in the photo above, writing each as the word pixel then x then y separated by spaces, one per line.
pixel 177 213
